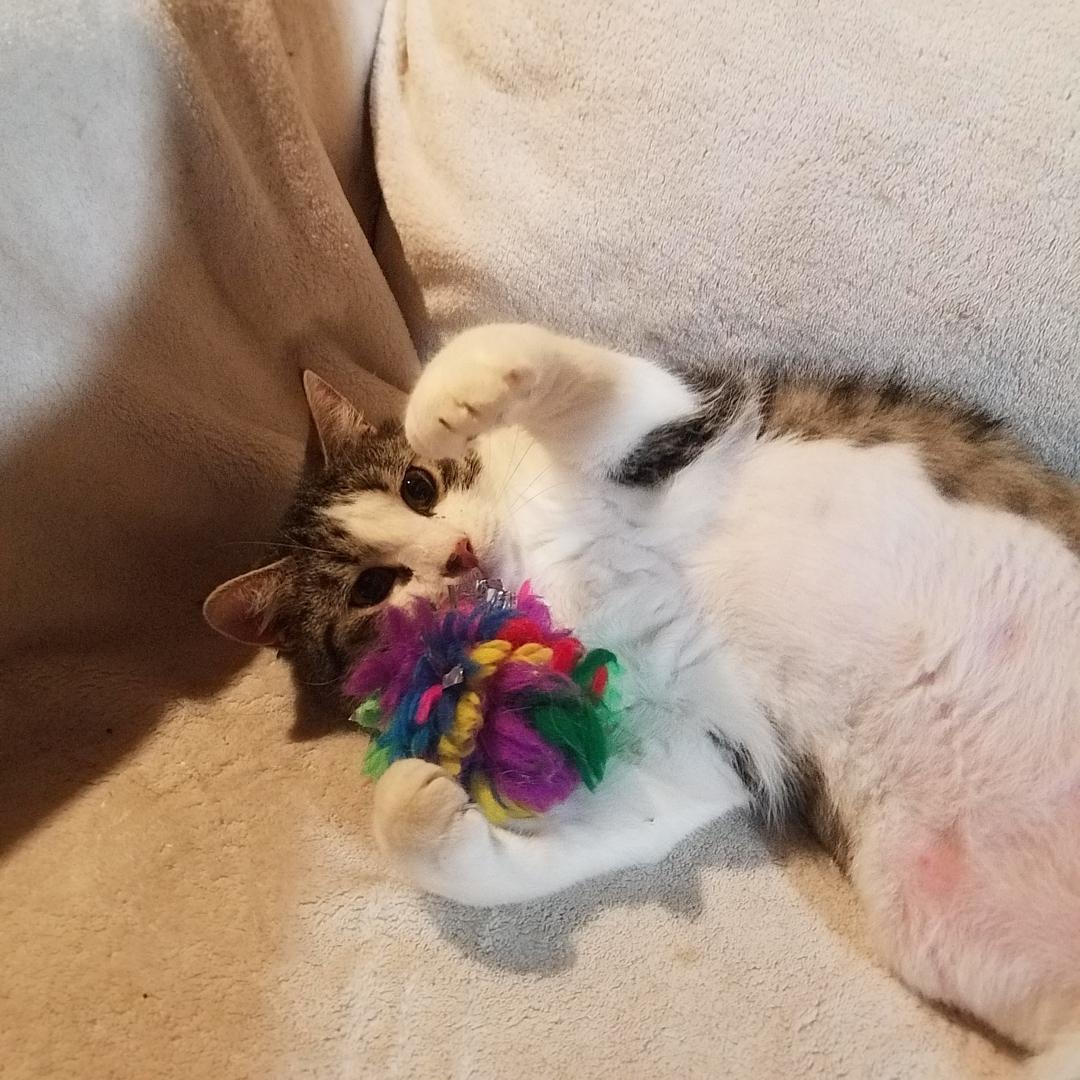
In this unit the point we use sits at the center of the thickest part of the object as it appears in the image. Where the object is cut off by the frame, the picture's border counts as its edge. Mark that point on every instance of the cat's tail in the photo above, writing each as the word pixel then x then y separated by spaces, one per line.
pixel 1060 1061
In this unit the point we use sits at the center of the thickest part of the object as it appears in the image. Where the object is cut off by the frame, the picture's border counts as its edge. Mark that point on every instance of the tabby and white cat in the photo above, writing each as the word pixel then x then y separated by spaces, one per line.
pixel 831 598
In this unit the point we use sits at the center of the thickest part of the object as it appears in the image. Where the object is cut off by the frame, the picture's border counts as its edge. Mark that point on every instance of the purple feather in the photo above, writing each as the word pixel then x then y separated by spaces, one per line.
pixel 420 645
pixel 388 669
pixel 514 679
pixel 521 765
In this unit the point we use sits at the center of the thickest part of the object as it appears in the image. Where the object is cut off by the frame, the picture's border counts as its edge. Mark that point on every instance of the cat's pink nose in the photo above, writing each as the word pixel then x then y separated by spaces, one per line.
pixel 464 558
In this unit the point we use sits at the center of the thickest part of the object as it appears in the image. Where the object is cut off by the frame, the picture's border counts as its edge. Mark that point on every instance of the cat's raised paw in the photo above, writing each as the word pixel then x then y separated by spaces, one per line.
pixel 416 805
pixel 478 382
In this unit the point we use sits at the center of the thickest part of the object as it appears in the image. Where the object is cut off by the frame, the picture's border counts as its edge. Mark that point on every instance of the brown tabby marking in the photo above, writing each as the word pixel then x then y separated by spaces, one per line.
pixel 966 455
pixel 303 596
pixel 812 804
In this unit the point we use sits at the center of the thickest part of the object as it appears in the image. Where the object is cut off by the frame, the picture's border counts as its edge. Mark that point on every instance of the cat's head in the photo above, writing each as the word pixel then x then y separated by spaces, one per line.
pixel 374 525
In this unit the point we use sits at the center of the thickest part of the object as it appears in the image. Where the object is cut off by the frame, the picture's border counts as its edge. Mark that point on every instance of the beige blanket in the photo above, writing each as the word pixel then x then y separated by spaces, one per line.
pixel 186 886
pixel 179 234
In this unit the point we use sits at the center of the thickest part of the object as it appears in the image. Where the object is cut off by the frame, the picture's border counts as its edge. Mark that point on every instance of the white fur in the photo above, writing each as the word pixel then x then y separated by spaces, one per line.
pixel 925 652
pixel 399 536
pixel 492 377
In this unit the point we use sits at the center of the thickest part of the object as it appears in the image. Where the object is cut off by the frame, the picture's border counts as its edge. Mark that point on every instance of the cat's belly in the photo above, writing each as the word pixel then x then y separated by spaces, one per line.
pixel 926 655
pixel 911 644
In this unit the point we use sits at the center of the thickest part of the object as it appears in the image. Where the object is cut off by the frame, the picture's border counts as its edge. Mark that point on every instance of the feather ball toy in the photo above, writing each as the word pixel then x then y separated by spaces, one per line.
pixel 515 708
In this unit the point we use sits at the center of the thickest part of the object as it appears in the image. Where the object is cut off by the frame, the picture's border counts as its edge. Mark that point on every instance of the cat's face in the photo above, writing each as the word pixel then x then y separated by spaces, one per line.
pixel 374 527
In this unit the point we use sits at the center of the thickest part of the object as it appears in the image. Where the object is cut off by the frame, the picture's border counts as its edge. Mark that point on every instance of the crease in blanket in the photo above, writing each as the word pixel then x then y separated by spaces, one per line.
pixel 178 239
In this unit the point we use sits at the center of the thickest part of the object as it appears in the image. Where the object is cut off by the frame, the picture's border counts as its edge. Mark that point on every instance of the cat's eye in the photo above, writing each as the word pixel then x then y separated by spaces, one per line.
pixel 373 586
pixel 419 490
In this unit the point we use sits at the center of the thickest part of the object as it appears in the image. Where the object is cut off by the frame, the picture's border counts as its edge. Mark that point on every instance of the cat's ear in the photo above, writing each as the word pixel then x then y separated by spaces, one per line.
pixel 245 608
pixel 337 421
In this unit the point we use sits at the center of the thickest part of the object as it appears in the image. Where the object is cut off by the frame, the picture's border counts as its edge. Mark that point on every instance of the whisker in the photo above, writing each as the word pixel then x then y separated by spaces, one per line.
pixel 524 455
pixel 528 487
pixel 281 544
pixel 510 463
pixel 562 483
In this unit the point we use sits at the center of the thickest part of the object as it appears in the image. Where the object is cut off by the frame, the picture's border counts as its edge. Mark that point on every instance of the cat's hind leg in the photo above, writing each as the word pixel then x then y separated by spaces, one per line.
pixel 979 913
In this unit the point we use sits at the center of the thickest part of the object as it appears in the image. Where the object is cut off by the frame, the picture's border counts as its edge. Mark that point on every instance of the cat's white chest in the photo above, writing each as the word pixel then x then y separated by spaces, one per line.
pixel 605 564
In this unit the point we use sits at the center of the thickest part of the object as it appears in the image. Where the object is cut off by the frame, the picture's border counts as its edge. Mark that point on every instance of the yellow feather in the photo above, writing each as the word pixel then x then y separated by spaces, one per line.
pixel 457 744
pixel 497 811
pixel 484 797
pixel 532 653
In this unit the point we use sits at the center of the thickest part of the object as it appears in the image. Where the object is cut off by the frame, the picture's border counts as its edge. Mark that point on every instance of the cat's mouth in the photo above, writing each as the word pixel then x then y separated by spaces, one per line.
pixel 462 559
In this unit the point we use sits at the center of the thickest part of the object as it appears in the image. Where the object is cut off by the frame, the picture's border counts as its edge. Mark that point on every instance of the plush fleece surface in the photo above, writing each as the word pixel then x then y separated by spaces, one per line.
pixel 186 883
pixel 860 184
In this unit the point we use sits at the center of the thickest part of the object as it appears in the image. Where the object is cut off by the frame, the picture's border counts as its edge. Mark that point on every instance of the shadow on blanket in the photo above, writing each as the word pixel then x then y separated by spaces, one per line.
pixel 123 496
pixel 149 440
pixel 538 938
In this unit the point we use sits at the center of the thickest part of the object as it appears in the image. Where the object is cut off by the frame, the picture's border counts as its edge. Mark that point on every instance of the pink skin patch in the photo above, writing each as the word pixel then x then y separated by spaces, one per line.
pixel 1004 639
pixel 939 868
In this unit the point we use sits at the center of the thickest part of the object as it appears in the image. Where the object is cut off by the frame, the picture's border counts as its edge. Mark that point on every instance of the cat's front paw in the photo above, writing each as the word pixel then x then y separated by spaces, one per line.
pixel 479 381
pixel 417 805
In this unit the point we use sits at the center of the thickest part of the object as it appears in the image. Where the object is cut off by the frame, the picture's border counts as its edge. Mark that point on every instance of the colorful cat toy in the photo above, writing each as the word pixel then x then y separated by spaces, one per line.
pixel 487 687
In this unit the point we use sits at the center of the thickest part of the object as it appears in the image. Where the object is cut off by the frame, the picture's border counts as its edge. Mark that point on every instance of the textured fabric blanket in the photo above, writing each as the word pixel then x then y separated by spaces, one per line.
pixel 188 217
pixel 860 184
pixel 184 189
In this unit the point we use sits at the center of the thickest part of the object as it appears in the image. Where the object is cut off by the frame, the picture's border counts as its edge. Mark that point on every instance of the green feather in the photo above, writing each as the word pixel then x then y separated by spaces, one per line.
pixel 376 761
pixel 587 667
pixel 368 717
pixel 575 729
pixel 582 728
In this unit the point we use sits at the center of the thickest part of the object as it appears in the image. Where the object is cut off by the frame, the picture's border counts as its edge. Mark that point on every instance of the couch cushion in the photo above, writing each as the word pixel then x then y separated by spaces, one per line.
pixel 856 184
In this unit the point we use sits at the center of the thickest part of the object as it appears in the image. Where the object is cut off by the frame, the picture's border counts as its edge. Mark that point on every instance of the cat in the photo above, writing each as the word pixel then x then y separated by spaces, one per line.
pixel 835 598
